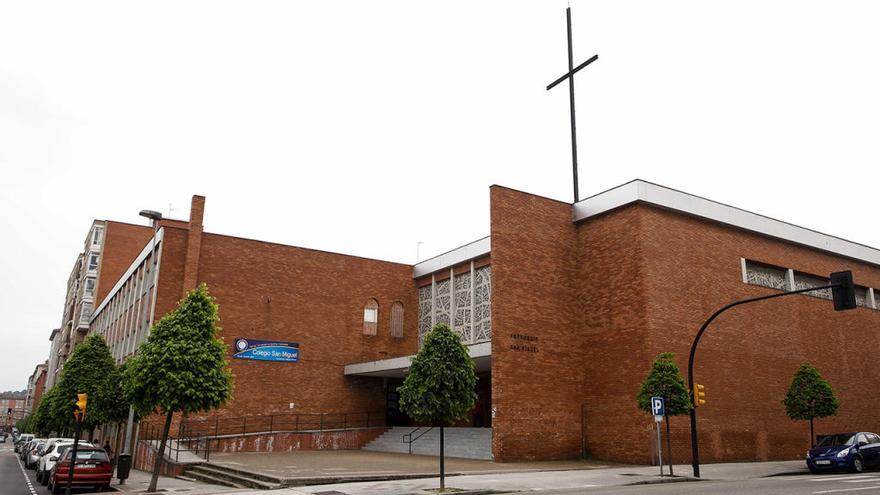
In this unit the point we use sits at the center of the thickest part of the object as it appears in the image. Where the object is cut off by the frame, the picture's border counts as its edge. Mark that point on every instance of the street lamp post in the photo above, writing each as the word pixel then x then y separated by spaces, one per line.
pixel 843 295
pixel 155 216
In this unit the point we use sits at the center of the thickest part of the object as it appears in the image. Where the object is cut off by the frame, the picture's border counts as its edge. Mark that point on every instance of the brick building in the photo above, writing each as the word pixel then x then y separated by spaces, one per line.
pixel 107 250
pixel 36 388
pixel 563 308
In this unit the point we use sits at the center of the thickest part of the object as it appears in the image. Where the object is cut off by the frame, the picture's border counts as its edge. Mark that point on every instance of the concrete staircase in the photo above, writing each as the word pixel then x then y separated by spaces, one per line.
pixel 468 443
pixel 235 478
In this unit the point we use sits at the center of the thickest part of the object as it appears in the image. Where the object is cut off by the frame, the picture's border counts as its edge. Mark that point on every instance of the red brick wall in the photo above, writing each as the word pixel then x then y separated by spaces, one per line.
pixel 39 388
pixel 274 292
pixel 607 295
pixel 122 243
pixel 747 357
pixel 612 324
pixel 535 394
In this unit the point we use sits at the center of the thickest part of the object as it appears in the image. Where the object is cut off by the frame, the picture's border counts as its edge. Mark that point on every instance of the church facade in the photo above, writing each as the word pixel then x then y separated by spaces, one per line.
pixel 563 308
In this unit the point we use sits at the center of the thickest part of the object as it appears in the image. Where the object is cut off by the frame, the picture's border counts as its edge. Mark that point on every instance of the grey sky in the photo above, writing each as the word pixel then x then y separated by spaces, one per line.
pixel 364 127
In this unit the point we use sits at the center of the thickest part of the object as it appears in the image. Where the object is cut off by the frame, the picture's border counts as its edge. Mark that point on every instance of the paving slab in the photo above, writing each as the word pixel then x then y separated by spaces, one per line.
pixel 361 464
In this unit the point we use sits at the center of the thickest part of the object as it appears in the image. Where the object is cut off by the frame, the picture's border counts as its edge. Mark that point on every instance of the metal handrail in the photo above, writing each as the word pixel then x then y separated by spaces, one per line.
pixel 271 423
pixel 410 435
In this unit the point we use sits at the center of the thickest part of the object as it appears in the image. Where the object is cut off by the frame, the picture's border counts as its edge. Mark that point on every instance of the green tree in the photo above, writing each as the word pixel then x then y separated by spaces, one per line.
pixel 182 366
pixel 440 386
pixel 665 381
pixel 86 372
pixel 809 396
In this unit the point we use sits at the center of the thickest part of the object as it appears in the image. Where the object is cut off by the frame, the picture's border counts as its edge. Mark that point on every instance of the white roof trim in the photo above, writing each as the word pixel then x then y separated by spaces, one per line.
pixel 131 268
pixel 451 258
pixel 483 349
pixel 639 190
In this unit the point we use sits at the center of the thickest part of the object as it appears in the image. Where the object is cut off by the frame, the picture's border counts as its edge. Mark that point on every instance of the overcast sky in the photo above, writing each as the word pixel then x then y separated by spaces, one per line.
pixel 366 127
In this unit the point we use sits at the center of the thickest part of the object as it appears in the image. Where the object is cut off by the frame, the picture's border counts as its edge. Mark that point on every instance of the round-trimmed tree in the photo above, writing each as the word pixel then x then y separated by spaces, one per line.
pixel 441 385
pixel 182 366
pixel 809 396
pixel 665 381
pixel 86 372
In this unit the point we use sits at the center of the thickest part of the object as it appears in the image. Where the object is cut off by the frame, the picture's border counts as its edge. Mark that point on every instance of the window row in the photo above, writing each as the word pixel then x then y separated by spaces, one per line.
pixel 125 319
pixel 776 277
pixel 371 318
pixel 463 302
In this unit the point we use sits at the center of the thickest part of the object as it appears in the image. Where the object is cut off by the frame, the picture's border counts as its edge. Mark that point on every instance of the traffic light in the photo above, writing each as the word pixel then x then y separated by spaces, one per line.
pixel 699 395
pixel 79 409
pixel 844 293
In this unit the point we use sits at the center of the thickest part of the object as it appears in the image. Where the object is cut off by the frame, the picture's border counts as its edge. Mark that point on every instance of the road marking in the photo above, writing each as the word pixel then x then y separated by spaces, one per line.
pixel 849 489
pixel 26 477
pixel 843 478
pixel 867 480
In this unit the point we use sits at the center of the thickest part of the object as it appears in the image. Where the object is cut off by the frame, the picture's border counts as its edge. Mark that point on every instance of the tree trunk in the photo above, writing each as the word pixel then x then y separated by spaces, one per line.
pixel 812 436
pixel 442 471
pixel 668 446
pixel 160 455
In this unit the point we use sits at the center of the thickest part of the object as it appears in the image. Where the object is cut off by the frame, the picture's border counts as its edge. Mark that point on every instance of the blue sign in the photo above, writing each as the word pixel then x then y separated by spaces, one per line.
pixel 658 406
pixel 266 350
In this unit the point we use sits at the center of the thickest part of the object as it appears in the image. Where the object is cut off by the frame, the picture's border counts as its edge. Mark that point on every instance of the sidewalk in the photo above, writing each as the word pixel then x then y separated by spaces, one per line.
pixel 557 480
pixel 139 481
pixel 372 473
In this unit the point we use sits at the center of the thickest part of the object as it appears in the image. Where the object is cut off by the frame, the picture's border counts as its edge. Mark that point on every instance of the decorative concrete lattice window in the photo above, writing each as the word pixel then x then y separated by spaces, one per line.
pixel 462 322
pixel 425 308
pixel 862 296
pixel 397 320
pixel 442 303
pixel 805 281
pixel 463 302
pixel 765 275
pixel 483 304
pixel 371 317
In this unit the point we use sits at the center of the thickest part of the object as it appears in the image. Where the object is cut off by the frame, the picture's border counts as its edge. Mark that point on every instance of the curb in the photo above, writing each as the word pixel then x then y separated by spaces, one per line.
pixel 665 479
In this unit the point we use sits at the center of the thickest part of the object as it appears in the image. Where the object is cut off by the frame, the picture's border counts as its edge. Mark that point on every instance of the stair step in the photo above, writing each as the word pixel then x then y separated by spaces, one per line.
pixel 472 443
pixel 232 478
pixel 212 480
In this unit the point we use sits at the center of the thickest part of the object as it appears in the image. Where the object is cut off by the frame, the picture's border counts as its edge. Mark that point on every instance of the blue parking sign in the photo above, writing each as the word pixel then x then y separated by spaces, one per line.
pixel 658 406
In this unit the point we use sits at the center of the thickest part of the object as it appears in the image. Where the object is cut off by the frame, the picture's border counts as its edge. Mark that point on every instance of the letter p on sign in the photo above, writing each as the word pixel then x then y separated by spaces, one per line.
pixel 658 407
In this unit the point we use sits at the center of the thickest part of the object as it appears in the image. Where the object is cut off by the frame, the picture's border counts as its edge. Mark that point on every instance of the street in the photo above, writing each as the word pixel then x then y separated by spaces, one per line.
pixel 778 485
pixel 16 480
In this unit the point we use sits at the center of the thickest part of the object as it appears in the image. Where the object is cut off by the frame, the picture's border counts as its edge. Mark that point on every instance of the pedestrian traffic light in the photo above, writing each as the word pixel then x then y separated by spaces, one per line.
pixel 843 293
pixel 79 409
pixel 699 395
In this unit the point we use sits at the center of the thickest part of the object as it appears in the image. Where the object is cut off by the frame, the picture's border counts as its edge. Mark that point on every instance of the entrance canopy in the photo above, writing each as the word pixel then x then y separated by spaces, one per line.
pixel 398 367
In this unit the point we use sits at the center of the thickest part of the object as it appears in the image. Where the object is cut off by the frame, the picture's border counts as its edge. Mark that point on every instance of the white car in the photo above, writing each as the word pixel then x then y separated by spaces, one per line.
pixel 48 457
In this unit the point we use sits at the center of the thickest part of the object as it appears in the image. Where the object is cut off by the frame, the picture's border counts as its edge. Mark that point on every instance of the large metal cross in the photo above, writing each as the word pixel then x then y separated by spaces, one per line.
pixel 570 76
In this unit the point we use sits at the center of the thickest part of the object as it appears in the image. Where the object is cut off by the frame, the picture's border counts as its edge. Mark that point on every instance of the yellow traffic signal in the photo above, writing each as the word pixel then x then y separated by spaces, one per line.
pixel 699 395
pixel 79 409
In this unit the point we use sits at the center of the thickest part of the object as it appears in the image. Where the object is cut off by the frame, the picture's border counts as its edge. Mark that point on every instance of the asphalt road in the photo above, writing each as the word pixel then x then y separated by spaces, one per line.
pixel 16 480
pixel 831 484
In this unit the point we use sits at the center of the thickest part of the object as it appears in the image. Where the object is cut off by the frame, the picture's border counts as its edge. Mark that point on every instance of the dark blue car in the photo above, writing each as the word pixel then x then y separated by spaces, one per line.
pixel 845 452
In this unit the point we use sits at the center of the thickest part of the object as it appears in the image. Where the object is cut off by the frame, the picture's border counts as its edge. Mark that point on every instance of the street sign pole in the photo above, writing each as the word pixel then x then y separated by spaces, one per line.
pixel 657 420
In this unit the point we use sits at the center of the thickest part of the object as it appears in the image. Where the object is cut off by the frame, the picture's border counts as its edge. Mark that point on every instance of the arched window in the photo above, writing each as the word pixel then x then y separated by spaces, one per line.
pixel 371 317
pixel 397 320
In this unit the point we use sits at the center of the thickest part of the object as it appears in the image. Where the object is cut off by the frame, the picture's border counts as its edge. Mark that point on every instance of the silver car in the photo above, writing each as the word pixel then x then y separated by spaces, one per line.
pixel 32 455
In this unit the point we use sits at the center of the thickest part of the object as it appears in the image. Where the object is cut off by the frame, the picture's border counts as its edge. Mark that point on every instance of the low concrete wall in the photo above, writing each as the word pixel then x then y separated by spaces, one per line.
pixel 146 456
pixel 290 441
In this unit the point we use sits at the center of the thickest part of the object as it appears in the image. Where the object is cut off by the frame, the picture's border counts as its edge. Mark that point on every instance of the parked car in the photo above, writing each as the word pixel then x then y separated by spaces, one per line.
pixel 48 457
pixel 92 469
pixel 24 448
pixel 22 439
pixel 2 438
pixel 845 451
pixel 32 453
